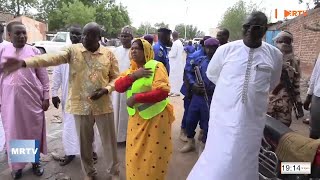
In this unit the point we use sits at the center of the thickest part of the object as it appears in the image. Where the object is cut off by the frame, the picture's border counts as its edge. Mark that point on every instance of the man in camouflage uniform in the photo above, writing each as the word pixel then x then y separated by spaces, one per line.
pixel 281 99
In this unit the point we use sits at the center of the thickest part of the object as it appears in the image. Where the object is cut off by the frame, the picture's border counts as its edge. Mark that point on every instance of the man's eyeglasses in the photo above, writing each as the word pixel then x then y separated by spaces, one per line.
pixel 253 27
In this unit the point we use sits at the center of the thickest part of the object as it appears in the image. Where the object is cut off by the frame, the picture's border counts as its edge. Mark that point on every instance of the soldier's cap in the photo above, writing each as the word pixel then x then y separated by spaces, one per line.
pixel 164 30
pixel 212 42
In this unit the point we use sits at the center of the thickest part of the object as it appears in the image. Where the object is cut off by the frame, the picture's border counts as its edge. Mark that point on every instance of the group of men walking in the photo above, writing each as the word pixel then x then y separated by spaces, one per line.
pixel 225 85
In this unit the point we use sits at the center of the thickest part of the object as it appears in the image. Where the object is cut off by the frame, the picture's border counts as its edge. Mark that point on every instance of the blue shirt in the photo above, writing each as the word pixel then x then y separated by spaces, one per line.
pixel 161 54
pixel 189 68
pixel 202 62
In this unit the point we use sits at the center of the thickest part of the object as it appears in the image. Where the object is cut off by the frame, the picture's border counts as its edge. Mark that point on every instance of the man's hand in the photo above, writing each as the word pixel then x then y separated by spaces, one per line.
pixel 56 101
pixel 45 104
pixel 307 102
pixel 142 72
pixel 300 110
pixel 11 65
pixel 277 89
pixel 97 94
pixel 131 102
pixel 198 90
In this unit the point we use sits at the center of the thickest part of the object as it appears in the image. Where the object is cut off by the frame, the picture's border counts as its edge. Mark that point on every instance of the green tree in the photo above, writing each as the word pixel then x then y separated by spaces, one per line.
pixel 18 7
pixel 192 31
pixel 113 17
pixel 75 13
pixel 316 3
pixel 48 7
pixel 235 16
pixel 120 18
pixel 161 25
pixel 145 28
pixel 200 34
pixel 140 31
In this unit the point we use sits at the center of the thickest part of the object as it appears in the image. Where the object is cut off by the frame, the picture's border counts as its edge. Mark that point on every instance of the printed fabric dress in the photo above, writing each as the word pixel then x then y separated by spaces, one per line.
pixel 149 143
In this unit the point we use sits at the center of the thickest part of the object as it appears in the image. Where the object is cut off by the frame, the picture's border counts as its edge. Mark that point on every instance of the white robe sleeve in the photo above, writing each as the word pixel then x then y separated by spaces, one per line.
pixel 276 74
pixel 215 65
pixel 314 77
pixel 57 80
pixel 174 50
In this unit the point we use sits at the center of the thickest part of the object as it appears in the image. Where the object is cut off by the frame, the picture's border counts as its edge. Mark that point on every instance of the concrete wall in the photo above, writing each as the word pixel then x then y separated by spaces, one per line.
pixel 36 30
pixel 5 17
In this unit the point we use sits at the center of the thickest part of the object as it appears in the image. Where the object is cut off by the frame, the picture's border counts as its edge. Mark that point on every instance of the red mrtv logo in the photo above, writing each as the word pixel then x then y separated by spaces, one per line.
pixel 292 13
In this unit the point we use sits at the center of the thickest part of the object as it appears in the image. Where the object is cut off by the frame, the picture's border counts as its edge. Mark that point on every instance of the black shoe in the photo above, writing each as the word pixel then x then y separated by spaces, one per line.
pixel 66 160
pixel 37 169
pixel 95 157
pixel 16 174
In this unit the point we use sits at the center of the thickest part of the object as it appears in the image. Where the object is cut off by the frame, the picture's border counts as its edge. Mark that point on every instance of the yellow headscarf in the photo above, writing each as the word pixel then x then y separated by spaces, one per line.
pixel 148 54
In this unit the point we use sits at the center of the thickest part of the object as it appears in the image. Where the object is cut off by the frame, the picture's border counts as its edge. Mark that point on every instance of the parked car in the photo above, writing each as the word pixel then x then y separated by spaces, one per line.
pixel 59 41
pixel 62 39
pixel 50 36
pixel 196 40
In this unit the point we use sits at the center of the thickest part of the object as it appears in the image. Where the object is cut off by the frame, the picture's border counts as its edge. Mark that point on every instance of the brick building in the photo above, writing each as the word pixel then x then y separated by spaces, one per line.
pixel 306 42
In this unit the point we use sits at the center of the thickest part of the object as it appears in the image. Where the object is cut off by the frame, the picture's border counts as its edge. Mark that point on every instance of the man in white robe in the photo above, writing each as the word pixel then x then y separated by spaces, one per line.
pixel 69 136
pixel 176 65
pixel 120 100
pixel 244 71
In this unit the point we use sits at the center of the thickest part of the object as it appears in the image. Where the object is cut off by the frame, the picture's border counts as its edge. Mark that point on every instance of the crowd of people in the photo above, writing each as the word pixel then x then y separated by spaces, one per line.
pixel 123 97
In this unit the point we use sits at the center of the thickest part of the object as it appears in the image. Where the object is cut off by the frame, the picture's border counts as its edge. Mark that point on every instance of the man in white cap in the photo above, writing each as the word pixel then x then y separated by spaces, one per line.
pixel 119 100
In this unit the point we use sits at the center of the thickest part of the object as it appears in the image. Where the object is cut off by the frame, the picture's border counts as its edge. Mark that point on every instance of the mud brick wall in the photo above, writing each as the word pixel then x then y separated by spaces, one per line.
pixel 306 42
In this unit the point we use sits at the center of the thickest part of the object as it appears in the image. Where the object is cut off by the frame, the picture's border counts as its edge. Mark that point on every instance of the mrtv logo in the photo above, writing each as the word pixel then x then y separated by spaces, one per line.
pixel 24 151
pixel 289 13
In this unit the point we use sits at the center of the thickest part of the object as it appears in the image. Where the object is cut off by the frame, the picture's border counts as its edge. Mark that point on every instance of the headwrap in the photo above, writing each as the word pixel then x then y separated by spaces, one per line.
pixel 127 30
pixel 283 34
pixel 148 55
pixel 211 42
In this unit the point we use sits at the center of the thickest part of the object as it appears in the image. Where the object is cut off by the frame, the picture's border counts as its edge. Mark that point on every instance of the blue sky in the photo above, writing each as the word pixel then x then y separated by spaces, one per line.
pixel 204 14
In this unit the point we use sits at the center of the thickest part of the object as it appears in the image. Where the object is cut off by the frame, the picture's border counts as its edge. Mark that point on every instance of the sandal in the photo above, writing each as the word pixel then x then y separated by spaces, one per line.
pixel 95 157
pixel 37 169
pixel 66 160
pixel 16 174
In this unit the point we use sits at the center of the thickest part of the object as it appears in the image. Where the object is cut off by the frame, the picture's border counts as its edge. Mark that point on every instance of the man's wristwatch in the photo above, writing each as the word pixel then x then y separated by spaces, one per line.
pixel 106 91
pixel 24 64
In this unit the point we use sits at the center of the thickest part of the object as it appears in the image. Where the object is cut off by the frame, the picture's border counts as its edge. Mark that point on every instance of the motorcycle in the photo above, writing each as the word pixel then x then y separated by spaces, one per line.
pixel 269 162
